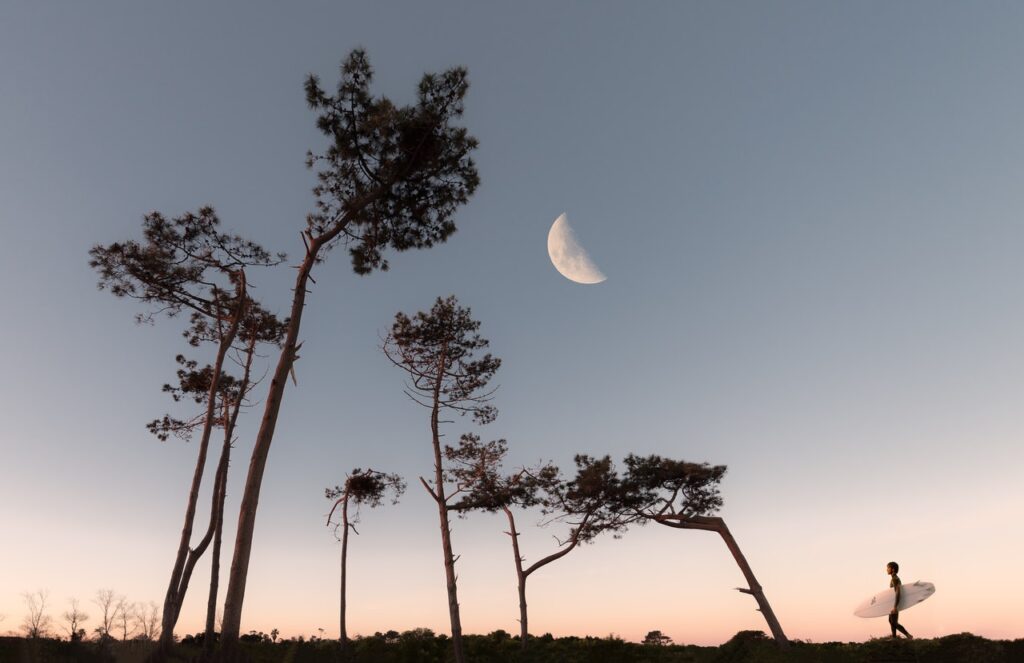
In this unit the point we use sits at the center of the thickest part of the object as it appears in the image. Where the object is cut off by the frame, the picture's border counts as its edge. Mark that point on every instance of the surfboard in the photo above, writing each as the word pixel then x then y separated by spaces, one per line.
pixel 880 604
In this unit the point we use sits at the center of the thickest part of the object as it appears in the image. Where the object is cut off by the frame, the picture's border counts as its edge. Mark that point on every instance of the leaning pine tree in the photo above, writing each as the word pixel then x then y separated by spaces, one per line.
pixel 684 495
pixel 391 177
pixel 439 350
pixel 589 503
pixel 187 264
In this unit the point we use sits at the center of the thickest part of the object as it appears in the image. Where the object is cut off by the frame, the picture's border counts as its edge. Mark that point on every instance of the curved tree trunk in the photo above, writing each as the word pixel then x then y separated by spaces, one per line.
pixel 714 524
pixel 257 464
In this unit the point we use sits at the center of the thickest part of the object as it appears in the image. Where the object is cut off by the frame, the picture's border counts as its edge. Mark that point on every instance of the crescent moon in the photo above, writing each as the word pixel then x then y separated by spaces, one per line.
pixel 568 257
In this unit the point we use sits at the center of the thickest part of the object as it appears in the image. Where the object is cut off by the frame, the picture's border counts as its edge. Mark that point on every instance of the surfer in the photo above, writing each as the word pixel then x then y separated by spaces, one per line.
pixel 892 568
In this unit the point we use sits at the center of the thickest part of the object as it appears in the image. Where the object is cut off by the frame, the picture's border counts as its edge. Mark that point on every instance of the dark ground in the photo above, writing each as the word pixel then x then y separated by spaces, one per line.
pixel 422 646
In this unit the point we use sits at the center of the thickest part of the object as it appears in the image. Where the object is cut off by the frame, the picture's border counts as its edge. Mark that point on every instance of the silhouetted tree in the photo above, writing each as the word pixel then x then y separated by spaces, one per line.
pixel 147 621
pixel 186 264
pixel 438 350
pixel 74 618
pixel 37 623
pixel 125 612
pixel 361 488
pixel 392 177
pixel 684 495
pixel 258 326
pixel 589 503
pixel 108 603
pixel 657 638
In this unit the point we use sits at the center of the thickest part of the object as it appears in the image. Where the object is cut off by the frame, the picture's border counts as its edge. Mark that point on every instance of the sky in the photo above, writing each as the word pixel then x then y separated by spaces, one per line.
pixel 808 214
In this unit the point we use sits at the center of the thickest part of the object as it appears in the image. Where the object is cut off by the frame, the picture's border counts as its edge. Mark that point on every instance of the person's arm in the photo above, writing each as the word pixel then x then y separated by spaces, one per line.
pixel 898 587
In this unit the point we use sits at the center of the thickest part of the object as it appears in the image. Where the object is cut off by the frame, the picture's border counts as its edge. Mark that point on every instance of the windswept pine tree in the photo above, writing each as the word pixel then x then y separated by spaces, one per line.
pixel 361 488
pixel 186 264
pixel 392 177
pixel 684 495
pixel 440 351
pixel 589 503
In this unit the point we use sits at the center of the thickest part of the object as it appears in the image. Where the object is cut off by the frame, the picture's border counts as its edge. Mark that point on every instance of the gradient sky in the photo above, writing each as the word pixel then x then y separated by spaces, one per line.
pixel 809 215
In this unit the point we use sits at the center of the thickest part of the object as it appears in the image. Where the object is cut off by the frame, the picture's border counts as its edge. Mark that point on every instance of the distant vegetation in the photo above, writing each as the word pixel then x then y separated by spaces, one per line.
pixel 424 646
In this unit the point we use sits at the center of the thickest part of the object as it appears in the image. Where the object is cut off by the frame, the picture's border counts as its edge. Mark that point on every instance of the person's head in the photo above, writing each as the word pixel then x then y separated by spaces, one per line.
pixel 892 568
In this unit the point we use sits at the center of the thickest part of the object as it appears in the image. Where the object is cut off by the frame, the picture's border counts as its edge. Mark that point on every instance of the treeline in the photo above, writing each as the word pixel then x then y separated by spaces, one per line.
pixel 107 617
pixel 424 646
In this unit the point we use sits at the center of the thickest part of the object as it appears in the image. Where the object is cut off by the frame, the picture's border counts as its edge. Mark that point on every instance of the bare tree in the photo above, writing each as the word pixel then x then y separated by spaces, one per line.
pixel 125 618
pixel 362 487
pixel 147 621
pixel 75 617
pixel 186 264
pixel 438 350
pixel 684 495
pixel 392 177
pixel 108 602
pixel 37 623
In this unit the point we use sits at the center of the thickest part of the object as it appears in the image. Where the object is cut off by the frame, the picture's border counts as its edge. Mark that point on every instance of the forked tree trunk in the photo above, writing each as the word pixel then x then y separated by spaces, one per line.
pixel 522 575
pixel 220 496
pixel 187 557
pixel 714 524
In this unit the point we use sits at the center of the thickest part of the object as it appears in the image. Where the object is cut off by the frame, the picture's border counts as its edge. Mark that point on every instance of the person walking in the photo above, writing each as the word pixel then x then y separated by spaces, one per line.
pixel 892 568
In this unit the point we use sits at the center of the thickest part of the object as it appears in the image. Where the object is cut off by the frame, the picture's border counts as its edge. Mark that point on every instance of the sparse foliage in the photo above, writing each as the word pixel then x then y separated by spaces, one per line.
pixel 684 495
pixel 440 352
pixel 589 503
pixel 362 487
pixel 186 264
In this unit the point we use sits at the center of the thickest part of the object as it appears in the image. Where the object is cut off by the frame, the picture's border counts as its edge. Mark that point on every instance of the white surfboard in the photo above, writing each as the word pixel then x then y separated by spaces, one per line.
pixel 881 603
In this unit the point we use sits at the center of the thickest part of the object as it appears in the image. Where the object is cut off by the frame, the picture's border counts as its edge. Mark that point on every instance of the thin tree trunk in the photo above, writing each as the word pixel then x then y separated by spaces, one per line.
pixel 343 637
pixel 520 577
pixel 178 584
pixel 220 496
pixel 714 524
pixel 211 602
pixel 442 513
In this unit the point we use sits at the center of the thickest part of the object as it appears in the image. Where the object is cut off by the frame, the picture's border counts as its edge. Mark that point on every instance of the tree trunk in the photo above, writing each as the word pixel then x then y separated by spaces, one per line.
pixel 442 513
pixel 211 602
pixel 261 449
pixel 714 524
pixel 178 584
pixel 343 633
pixel 520 577
pixel 220 496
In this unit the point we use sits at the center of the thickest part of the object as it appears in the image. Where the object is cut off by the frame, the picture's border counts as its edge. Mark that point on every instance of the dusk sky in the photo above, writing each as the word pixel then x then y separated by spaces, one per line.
pixel 809 215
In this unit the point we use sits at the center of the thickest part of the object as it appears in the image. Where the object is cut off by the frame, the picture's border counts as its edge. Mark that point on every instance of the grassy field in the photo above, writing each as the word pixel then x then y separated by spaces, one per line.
pixel 422 646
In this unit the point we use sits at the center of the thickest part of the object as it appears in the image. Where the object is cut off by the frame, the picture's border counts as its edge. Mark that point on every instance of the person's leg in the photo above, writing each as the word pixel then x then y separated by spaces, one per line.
pixel 894 624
